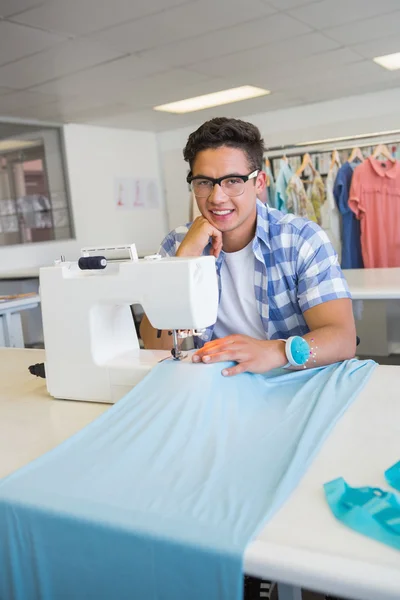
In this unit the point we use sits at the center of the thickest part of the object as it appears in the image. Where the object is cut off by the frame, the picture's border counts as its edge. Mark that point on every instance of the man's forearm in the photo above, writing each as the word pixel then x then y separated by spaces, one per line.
pixel 150 339
pixel 330 344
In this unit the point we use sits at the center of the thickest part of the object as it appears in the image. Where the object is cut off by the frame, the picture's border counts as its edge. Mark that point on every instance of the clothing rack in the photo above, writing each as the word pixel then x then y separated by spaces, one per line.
pixel 321 151
pixel 339 143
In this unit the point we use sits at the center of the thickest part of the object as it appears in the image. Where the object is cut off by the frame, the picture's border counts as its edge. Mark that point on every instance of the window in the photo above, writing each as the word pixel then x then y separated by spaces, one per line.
pixel 34 203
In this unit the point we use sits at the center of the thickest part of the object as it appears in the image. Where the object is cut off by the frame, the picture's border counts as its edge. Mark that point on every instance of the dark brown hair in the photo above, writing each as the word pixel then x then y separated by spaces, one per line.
pixel 232 133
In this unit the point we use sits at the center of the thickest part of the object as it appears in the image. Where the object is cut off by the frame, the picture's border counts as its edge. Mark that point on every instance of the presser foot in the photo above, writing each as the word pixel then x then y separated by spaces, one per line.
pixel 176 351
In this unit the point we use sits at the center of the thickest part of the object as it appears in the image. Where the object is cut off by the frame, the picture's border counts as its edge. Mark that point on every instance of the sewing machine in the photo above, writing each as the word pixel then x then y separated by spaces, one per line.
pixel 92 349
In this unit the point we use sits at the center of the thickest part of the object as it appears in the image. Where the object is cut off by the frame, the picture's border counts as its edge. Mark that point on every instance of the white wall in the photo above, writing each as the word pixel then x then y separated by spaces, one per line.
pixel 95 156
pixel 368 113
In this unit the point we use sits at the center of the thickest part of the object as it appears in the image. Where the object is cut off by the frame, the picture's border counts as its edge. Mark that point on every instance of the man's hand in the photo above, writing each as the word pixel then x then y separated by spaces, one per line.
pixel 254 356
pixel 198 237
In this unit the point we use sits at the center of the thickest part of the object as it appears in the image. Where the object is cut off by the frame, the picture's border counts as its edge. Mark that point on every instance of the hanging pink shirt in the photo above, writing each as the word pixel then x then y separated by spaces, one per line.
pixel 375 200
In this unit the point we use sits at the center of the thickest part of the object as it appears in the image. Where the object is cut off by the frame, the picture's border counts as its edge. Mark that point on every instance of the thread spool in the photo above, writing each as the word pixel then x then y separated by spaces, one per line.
pixel 87 263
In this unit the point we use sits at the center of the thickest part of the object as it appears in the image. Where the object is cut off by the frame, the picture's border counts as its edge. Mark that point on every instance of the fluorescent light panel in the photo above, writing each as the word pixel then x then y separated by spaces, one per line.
pixel 245 92
pixel 11 144
pixel 389 61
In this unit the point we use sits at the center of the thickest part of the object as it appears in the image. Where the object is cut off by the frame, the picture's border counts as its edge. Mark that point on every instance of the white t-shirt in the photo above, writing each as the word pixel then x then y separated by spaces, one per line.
pixel 238 312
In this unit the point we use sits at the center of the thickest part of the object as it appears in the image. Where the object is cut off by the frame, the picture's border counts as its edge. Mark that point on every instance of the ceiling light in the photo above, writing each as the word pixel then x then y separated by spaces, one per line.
pixel 216 99
pixel 389 61
pixel 11 144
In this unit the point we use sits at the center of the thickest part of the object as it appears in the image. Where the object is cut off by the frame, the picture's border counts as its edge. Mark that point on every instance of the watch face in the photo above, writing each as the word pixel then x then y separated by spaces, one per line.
pixel 300 350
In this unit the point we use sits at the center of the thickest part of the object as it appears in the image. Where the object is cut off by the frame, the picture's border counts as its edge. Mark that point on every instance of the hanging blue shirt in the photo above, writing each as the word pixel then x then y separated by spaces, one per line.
pixel 351 232
pixel 284 176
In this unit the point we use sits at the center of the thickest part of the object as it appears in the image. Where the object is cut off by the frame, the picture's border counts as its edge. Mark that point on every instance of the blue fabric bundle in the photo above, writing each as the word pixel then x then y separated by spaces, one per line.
pixel 158 498
pixel 370 511
pixel 393 476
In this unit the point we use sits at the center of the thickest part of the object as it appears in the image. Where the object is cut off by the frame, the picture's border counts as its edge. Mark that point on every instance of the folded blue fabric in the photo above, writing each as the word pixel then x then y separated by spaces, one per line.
pixel 158 498
pixel 370 511
pixel 392 476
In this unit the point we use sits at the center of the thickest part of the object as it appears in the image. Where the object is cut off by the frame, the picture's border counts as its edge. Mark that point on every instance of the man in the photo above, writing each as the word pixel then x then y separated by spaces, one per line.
pixel 278 274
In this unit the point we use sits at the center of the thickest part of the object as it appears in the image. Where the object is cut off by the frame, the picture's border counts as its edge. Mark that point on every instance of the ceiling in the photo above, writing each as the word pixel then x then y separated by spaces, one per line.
pixel 110 62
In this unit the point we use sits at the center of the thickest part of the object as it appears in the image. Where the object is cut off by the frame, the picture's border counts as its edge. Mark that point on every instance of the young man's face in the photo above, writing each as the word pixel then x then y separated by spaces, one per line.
pixel 239 212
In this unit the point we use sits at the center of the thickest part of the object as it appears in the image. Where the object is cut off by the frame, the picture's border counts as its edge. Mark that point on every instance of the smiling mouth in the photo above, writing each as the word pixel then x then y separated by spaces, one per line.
pixel 222 213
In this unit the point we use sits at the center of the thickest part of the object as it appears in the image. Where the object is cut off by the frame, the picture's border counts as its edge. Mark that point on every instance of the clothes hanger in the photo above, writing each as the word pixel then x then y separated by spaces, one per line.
pixel 356 153
pixel 307 162
pixel 335 160
pixel 382 150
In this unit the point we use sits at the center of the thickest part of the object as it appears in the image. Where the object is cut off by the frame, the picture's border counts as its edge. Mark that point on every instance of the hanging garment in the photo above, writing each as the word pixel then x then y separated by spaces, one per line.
pixel 375 201
pixel 298 201
pixel 330 216
pixel 369 511
pixel 271 187
pixel 159 496
pixel 284 176
pixel 351 232
pixel 316 195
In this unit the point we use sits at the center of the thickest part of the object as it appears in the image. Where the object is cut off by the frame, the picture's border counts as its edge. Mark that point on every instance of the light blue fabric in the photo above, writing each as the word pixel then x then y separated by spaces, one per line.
pixel 370 511
pixel 393 476
pixel 295 269
pixel 284 176
pixel 157 498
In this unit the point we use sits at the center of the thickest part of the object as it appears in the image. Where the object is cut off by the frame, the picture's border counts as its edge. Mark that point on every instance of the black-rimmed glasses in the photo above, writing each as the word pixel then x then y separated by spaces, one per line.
pixel 232 185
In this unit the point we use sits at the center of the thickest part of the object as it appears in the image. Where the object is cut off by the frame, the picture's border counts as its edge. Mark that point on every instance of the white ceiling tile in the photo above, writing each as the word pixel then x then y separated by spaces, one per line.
pixel 326 13
pixel 5 90
pixel 183 22
pixel 357 74
pixel 287 4
pixel 234 39
pixel 79 17
pixel 366 29
pixel 63 59
pixel 13 7
pixel 40 112
pixel 267 57
pixel 380 47
pixel 144 120
pixel 341 89
pixel 17 100
pixel 108 78
pixel 79 104
pixel 92 113
pixel 17 41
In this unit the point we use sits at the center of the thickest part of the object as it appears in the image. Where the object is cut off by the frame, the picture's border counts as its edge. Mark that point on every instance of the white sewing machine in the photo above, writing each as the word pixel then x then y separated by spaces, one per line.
pixel 92 350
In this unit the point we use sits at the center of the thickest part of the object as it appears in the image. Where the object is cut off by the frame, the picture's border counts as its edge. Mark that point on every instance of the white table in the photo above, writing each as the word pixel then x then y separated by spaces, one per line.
pixel 374 284
pixel 22 281
pixel 11 334
pixel 379 326
pixel 12 274
pixel 303 545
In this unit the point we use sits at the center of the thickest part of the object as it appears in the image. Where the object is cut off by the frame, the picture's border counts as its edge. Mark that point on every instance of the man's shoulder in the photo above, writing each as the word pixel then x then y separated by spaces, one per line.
pixel 298 228
pixel 172 240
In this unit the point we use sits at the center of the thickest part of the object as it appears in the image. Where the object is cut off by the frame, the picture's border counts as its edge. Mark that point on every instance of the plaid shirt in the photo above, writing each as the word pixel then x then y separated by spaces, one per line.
pixel 295 268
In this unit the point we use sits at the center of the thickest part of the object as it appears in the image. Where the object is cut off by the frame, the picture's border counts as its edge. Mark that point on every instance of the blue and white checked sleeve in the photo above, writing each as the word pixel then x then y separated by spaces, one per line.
pixel 320 277
pixel 170 244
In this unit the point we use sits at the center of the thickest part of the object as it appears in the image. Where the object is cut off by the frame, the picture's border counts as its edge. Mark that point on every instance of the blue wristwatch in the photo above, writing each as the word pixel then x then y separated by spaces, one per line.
pixel 297 351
